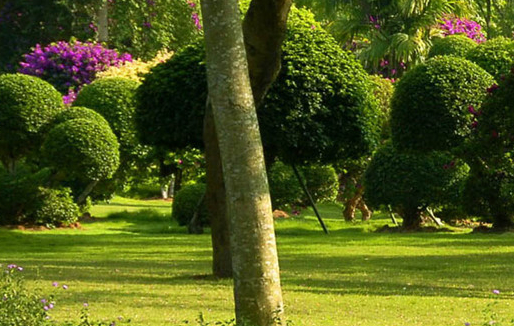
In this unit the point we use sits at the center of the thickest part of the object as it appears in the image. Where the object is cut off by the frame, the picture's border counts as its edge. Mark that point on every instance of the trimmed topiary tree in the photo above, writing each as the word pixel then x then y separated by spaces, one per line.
pixel 27 107
pixel 496 56
pixel 410 182
pixel 172 99
pixel 55 207
pixel 82 149
pixel 186 202
pixel 432 103
pixel 320 108
pixel 457 44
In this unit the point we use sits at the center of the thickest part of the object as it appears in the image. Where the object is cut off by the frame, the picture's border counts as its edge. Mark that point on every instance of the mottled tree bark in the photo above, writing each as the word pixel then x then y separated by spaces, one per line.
pixel 215 201
pixel 257 292
pixel 103 22
pixel 264 30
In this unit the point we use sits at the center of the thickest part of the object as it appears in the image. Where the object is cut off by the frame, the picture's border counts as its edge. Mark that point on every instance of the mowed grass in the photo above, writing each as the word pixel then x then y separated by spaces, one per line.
pixel 139 265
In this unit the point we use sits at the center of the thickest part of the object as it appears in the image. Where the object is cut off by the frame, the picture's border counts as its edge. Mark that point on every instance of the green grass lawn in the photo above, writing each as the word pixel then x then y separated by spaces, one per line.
pixel 138 265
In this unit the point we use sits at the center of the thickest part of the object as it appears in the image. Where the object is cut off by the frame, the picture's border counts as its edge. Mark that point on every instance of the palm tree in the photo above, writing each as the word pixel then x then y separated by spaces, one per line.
pixel 390 33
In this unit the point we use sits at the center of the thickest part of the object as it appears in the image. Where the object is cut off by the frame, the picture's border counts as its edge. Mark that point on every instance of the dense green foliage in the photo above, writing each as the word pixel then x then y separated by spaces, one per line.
pixel 185 204
pixel 383 89
pixel 432 102
pixel 28 105
pixel 320 107
pixel 490 190
pixel 78 112
pixel 82 149
pixel 172 99
pixel 411 182
pixel 55 207
pixel 496 56
pixel 25 23
pixel 114 99
pixel 457 44
pixel 285 189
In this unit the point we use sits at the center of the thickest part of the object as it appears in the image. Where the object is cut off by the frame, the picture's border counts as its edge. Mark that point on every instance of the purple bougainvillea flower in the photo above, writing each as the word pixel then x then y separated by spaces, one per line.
pixel 11 266
pixel 85 304
pixel 65 287
pixel 496 291
pixel 55 284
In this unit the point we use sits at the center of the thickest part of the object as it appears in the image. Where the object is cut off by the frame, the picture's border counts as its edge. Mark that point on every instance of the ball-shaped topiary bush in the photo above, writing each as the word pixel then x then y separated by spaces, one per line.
pixel 185 203
pixel 432 104
pixel 114 99
pixel 410 182
pixel 496 56
pixel 55 207
pixel 322 182
pixel 285 189
pixel 172 99
pixel 457 44
pixel 78 112
pixel 27 106
pixel 82 149
pixel 320 108
pixel 283 186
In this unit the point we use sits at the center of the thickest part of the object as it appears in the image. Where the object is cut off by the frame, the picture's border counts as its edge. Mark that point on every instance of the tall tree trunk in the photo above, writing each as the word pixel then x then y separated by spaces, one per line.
pixel 264 31
pixel 103 22
pixel 257 292
pixel 215 201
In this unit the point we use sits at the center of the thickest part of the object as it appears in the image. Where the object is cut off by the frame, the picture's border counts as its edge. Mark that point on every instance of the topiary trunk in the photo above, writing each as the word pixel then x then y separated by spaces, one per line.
pixel 411 218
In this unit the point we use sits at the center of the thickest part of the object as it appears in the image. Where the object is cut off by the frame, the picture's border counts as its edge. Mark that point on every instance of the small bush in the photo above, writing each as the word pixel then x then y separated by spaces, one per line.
pixel 55 207
pixel 431 104
pixel 20 306
pixel 411 182
pixel 283 185
pixel 185 204
pixel 27 106
pixel 496 56
pixel 458 45
pixel 82 149
pixel 321 180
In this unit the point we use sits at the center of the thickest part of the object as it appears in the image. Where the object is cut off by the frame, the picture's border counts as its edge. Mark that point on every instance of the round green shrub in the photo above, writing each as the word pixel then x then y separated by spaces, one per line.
pixel 82 149
pixel 185 204
pixel 78 112
pixel 456 44
pixel 412 181
pixel 114 98
pixel 172 99
pixel 27 106
pixel 496 56
pixel 383 89
pixel 55 207
pixel 322 182
pixel 283 186
pixel 430 109
pixel 320 108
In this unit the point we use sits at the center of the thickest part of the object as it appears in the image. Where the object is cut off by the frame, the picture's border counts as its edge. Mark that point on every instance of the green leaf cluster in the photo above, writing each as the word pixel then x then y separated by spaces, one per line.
pixel 496 56
pixel 430 107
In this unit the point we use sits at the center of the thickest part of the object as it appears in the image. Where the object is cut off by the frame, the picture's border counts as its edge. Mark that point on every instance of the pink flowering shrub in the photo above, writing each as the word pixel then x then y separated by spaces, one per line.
pixel 456 25
pixel 69 65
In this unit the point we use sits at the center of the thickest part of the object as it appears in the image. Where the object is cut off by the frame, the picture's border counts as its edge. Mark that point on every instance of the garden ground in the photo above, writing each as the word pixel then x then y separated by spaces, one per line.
pixel 132 262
